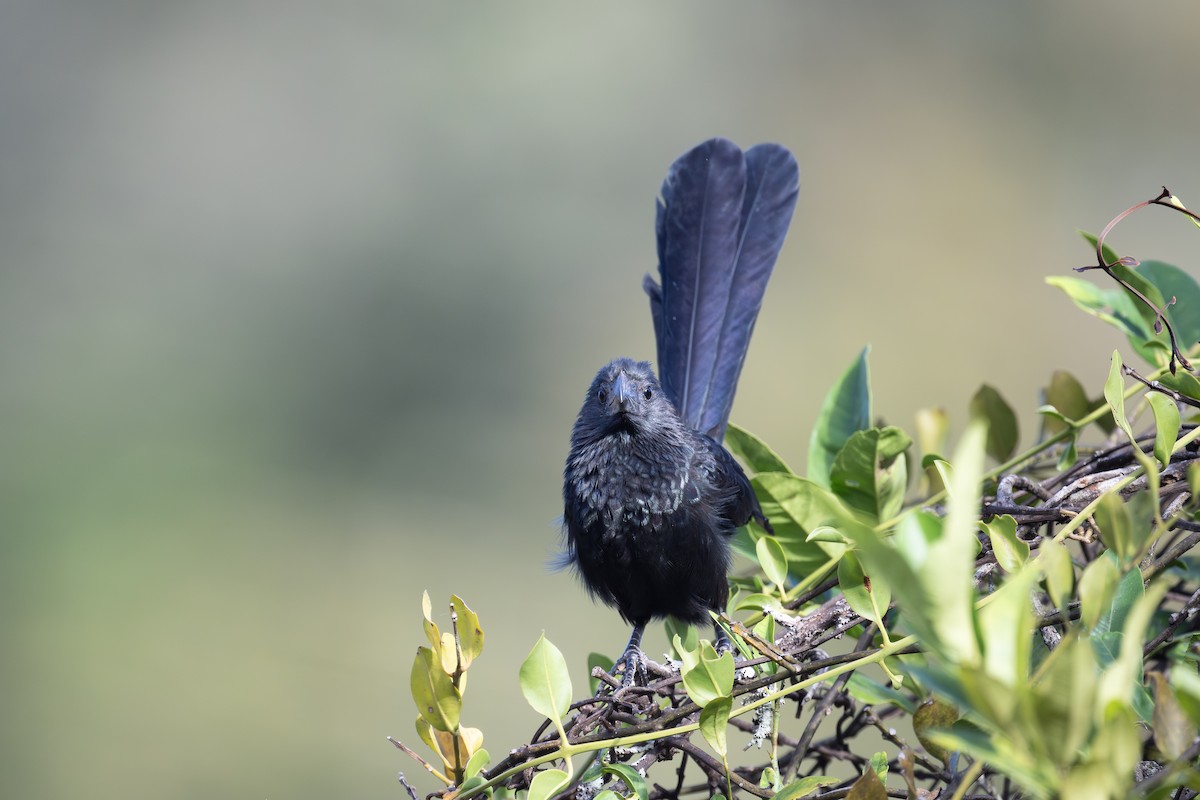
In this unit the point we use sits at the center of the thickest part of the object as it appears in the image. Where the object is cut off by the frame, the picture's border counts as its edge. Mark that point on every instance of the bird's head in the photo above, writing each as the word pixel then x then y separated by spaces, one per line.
pixel 625 397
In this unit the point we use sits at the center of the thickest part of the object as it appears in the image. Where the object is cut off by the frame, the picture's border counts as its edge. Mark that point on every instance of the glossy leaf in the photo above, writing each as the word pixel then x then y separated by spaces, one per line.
pixel 630 777
pixel 1011 553
pixel 709 675
pixel 1184 313
pixel 687 633
pixel 752 451
pixel 870 474
pixel 846 409
pixel 1114 393
pixel 873 693
pixel 1121 682
pixel 773 560
pixel 479 759
pixel 714 720
pixel 1183 382
pixel 1002 431
pixel 859 589
pixel 1166 425
pixel 437 700
pixel 1117 528
pixel 547 783
pixel 796 506
pixel 1112 305
pixel 545 682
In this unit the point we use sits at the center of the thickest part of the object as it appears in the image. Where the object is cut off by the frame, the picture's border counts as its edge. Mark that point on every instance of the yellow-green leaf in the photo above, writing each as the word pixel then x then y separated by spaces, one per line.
pixel 1011 553
pixel 1166 425
pixel 773 560
pixel 714 718
pixel 547 783
pixel 709 676
pixel 545 681
pixel 436 698
pixel 470 632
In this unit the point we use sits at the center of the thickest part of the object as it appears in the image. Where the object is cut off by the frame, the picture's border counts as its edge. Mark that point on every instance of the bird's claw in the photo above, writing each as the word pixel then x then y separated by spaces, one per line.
pixel 633 665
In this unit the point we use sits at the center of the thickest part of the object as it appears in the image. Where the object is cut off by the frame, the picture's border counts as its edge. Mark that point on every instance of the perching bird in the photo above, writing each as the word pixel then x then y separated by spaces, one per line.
pixel 650 495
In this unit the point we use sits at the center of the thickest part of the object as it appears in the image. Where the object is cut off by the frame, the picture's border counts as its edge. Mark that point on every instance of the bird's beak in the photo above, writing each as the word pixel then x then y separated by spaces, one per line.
pixel 622 390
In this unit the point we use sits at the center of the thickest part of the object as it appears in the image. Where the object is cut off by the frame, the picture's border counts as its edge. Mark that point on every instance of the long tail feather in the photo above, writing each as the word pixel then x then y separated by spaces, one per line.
pixel 722 220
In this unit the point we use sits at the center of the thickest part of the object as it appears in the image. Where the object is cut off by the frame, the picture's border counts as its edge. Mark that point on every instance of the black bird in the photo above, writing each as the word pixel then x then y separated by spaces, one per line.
pixel 650 495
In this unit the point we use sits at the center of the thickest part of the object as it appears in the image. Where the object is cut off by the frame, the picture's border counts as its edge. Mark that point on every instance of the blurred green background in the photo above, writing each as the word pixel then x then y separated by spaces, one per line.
pixel 298 302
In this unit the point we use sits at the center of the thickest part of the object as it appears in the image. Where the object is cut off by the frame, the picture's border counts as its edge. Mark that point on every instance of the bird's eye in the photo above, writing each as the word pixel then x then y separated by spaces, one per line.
pixel 601 395
pixel 648 393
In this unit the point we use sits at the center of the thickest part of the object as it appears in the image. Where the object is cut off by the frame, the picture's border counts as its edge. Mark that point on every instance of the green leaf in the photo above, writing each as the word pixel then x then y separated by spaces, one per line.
pixel 1166 425
pixel 1114 393
pixel 686 632
pixel 1186 682
pixel 752 451
pixel 797 506
pixel 1184 313
pixel 873 693
pixel 870 474
pixel 858 589
pixel 934 714
pixel 1121 681
pixel 879 763
pixel 1002 433
pixel 900 562
pixel 630 777
pixel 547 783
pixel 431 628
pixel 1068 398
pixel 1116 528
pixel 1006 627
pixel 755 601
pixel 1011 553
pixel 470 632
pixel 847 408
pixel 545 681
pixel 1127 592
pixel 1096 588
pixel 1114 306
pixel 597 660
pixel 437 700
pixel 805 786
pixel 773 560
pixel 1059 571
pixel 478 760
pixel 1183 382
pixel 949 582
pixel 1173 731
pixel 708 677
pixel 714 718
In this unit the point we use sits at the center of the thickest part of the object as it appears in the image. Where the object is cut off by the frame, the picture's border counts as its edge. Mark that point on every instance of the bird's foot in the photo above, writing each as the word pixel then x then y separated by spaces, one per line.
pixel 633 664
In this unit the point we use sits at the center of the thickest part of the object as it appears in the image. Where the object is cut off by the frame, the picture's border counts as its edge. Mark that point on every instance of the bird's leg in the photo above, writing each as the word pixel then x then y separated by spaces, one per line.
pixel 723 643
pixel 633 659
